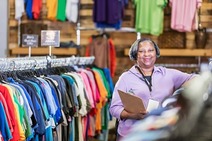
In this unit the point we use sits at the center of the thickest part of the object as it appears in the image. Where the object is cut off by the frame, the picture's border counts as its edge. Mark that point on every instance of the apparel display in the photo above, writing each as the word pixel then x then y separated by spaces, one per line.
pixel 68 99
pixel 57 10
pixel 61 102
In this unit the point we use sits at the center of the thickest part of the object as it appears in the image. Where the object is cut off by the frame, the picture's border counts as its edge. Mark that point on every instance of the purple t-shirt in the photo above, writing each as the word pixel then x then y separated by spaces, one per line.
pixel 108 11
pixel 164 82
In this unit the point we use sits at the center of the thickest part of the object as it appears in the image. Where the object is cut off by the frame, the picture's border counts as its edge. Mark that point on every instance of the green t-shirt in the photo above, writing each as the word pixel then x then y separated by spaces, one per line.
pixel 149 16
pixel 61 10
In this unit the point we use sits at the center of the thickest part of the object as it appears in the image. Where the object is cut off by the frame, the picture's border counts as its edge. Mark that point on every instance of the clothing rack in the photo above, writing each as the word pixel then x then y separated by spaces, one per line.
pixel 71 97
pixel 23 63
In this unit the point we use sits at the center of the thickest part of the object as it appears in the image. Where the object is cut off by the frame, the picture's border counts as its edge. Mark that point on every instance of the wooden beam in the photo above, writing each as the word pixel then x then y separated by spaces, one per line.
pixel 43 51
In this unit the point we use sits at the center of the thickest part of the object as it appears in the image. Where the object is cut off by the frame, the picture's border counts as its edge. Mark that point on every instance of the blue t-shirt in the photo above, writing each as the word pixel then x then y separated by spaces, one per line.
pixel 28 5
pixel 4 127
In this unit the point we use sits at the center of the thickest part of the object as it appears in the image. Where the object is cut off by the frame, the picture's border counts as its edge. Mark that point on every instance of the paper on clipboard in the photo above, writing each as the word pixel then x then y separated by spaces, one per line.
pixel 152 104
pixel 131 102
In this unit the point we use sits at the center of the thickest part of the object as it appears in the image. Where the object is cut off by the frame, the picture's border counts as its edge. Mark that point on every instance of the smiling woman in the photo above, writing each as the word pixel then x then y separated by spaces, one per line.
pixel 146 57
pixel 149 82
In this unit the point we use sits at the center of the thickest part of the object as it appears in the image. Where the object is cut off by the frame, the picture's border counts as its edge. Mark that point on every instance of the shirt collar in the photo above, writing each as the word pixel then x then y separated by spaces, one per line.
pixel 156 69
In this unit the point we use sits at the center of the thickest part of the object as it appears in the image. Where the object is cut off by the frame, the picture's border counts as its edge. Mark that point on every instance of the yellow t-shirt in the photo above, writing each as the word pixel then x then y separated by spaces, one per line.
pixel 51 9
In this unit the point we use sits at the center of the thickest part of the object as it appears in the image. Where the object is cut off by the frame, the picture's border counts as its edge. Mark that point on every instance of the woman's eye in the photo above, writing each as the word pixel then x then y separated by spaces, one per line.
pixel 141 51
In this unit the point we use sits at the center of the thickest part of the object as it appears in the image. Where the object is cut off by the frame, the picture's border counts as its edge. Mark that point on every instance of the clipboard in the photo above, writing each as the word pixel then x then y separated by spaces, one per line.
pixel 132 103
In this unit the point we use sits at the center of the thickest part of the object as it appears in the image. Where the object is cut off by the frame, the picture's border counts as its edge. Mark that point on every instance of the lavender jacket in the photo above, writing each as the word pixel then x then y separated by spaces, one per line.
pixel 164 82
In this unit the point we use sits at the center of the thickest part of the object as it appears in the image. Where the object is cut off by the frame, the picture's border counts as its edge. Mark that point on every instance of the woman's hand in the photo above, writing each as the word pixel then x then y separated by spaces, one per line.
pixel 128 115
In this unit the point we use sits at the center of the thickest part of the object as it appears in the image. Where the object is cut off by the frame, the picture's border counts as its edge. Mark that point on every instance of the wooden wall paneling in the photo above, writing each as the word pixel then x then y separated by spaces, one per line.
pixel 209 41
pixel 123 64
pixel 206 15
pixel 85 35
pixel 13 37
pixel 167 19
pixel 129 18
pixel 172 39
pixel 190 43
pixel 85 14
pixel 124 39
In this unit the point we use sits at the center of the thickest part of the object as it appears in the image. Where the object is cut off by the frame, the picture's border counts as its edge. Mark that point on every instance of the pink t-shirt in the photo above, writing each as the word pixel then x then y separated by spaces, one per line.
pixel 183 14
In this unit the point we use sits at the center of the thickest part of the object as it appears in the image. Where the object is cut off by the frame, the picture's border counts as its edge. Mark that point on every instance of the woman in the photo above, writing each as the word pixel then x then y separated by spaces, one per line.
pixel 145 80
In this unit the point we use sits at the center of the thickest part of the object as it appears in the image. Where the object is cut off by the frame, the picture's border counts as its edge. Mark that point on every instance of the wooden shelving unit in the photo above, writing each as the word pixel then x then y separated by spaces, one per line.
pixel 182 52
pixel 43 51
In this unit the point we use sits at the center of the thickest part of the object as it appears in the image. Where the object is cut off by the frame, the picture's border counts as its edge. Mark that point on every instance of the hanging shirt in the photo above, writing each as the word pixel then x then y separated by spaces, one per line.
pixel 52 9
pixel 183 14
pixel 99 48
pixel 109 80
pixel 87 87
pixel 28 6
pixel 149 16
pixel 112 66
pixel 21 91
pixel 18 110
pixel 11 107
pixel 109 13
pixel 94 85
pixel 4 103
pixel 58 115
pixel 51 104
pixel 4 127
pixel 26 110
pixel 19 9
pixel 40 129
pixel 41 98
pixel 36 8
pixel 33 117
pixel 61 87
pixel 61 8
pixel 72 10
pixel 103 99
pixel 76 80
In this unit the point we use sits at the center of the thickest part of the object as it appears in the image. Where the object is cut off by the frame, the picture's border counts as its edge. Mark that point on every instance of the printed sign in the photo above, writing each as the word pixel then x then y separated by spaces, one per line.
pixel 50 38
pixel 29 40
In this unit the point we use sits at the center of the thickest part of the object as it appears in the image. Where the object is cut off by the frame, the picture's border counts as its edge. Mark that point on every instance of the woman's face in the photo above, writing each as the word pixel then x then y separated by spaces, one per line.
pixel 146 56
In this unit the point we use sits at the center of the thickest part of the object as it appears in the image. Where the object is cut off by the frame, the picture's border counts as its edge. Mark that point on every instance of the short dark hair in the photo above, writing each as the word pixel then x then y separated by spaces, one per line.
pixel 134 48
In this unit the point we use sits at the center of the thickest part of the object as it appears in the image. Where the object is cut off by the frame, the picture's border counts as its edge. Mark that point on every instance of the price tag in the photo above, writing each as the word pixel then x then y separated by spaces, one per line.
pixel 50 38
pixel 29 40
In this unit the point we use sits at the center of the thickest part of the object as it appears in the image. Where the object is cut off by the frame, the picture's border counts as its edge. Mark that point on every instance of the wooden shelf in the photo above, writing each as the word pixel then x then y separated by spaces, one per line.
pixel 43 51
pixel 182 52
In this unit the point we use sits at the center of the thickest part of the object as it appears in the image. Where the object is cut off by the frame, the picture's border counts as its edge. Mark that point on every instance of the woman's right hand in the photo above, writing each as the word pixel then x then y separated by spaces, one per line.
pixel 128 115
